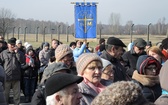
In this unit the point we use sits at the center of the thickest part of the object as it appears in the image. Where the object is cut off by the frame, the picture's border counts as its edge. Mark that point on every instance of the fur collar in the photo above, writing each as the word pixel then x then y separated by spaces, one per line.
pixel 145 80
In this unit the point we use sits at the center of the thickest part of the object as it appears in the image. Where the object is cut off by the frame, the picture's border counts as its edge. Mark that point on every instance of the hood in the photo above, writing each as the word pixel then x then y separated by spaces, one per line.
pixel 145 60
pixel 164 76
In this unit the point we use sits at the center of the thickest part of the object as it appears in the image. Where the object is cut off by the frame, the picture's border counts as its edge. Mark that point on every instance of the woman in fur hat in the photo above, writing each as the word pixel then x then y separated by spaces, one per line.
pixel 148 69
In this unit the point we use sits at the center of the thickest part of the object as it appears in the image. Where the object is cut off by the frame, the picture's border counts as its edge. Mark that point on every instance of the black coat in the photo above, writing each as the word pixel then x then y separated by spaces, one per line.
pixel 130 59
pixel 39 97
pixel 120 73
pixel 2 96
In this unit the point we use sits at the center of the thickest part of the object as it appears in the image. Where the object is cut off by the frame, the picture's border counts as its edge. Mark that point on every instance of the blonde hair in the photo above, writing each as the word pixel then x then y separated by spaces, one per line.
pixel 156 50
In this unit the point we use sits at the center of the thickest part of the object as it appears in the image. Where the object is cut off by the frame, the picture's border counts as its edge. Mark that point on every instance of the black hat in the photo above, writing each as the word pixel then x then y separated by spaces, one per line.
pixel 59 81
pixel 101 40
pixel 139 42
pixel 12 41
pixel 149 43
pixel 115 41
pixel 165 43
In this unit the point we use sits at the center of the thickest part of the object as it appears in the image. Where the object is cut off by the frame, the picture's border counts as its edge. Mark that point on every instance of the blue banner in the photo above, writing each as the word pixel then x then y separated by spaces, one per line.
pixel 85 20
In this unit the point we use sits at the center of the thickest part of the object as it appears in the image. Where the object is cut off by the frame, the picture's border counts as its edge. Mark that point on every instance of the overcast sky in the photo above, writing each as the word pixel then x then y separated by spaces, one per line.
pixel 139 11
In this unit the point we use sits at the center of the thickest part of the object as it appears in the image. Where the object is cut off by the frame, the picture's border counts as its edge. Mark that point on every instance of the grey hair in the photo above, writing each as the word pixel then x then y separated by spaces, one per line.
pixel 50 100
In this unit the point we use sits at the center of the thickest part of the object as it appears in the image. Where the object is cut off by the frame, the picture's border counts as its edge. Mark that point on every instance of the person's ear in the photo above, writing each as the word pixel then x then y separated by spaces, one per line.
pixel 58 99
pixel 112 49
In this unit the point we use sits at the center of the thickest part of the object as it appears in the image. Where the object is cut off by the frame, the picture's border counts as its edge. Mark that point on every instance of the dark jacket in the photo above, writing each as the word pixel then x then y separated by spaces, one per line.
pixel 130 58
pixel 119 70
pixel 2 96
pixel 2 81
pixel 151 93
pixel 11 62
pixel 28 71
pixel 39 96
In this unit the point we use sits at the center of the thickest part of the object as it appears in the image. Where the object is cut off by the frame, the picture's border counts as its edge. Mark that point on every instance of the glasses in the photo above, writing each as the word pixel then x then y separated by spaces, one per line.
pixel 95 68
pixel 151 68
pixel 109 72
pixel 141 48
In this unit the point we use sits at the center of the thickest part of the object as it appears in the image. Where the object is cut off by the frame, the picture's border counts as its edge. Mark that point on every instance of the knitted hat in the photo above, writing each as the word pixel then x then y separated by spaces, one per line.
pixel 105 63
pixel 46 44
pixel 25 44
pixel 145 60
pixel 60 81
pixel 28 49
pixel 61 51
pixel 84 60
pixel 18 41
pixel 28 45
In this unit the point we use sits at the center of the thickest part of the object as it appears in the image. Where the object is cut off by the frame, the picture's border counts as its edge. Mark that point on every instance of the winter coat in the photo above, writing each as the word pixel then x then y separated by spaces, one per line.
pixel 119 70
pixel 44 57
pixel 130 58
pixel 28 71
pixel 11 62
pixel 151 93
pixel 78 51
pixel 2 81
pixel 2 96
pixel 88 94
pixel 163 99
pixel 39 96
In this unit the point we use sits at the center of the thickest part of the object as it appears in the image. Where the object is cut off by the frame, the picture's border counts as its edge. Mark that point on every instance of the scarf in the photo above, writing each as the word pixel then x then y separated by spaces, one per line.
pixel 99 88
pixel 29 59
pixel 145 80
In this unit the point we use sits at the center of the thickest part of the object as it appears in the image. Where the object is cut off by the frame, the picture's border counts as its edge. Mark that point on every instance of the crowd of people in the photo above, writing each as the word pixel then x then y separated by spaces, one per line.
pixel 77 74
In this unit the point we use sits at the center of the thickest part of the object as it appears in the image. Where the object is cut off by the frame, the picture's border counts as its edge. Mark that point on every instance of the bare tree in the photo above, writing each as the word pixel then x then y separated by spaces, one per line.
pixel 6 20
pixel 115 22
pixel 127 26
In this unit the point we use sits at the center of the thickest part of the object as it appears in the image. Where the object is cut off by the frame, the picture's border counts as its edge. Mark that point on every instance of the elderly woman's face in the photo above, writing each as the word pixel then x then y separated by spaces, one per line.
pixel 93 72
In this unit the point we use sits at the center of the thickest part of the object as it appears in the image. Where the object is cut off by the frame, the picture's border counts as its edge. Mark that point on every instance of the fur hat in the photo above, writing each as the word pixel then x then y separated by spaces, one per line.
pixel 121 93
pixel 84 60
pixel 60 81
pixel 61 51
pixel 145 60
